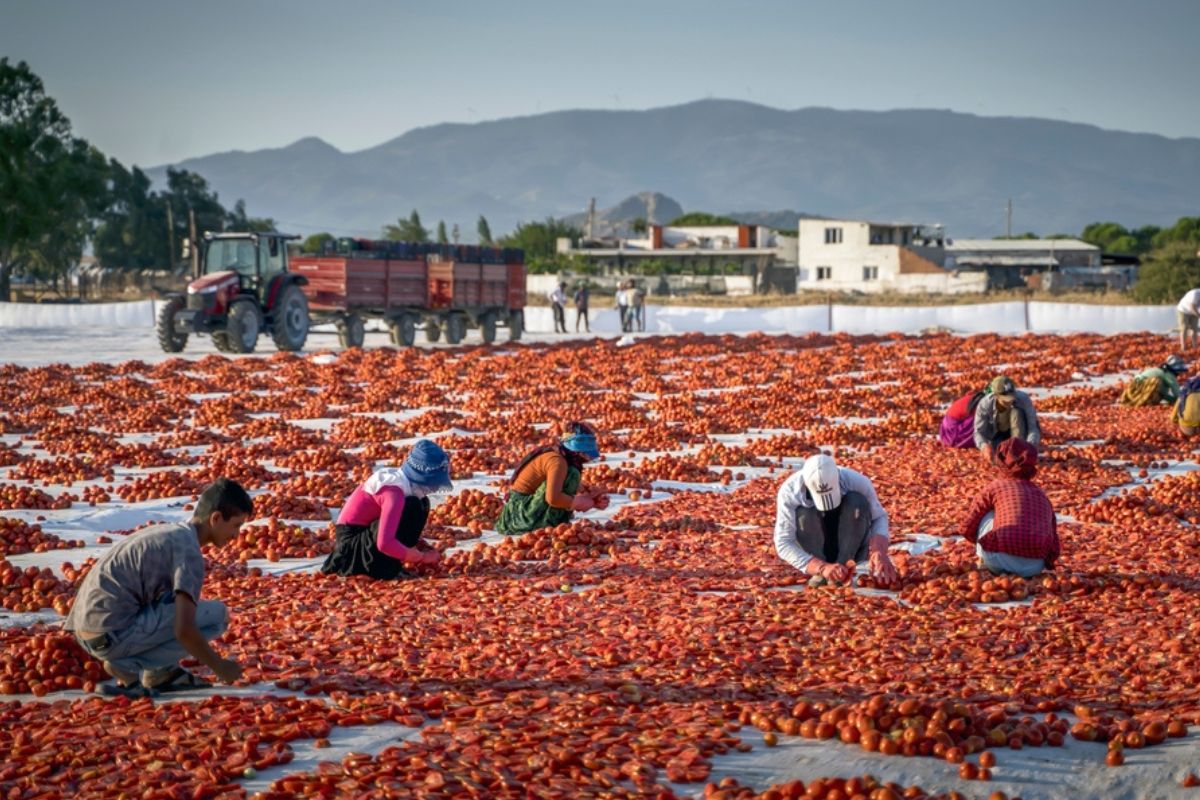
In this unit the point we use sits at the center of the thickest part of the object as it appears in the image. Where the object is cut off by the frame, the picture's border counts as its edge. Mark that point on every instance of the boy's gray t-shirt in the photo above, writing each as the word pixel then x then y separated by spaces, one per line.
pixel 157 561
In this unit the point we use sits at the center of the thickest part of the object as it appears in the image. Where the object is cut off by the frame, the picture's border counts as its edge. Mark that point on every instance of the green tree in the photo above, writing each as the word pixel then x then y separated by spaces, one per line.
pixel 316 242
pixel 1186 230
pixel 51 183
pixel 484 230
pixel 237 220
pixel 1020 236
pixel 188 191
pixel 407 230
pixel 132 231
pixel 1168 273
pixel 540 239
pixel 1106 235
pixel 703 218
pixel 442 238
pixel 639 225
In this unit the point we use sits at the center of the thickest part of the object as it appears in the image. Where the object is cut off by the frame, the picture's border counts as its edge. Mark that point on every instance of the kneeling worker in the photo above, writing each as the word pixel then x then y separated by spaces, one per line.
pixel 827 515
pixel 380 526
pixel 1155 385
pixel 545 485
pixel 1186 413
pixel 138 609
pixel 1005 413
pixel 1011 522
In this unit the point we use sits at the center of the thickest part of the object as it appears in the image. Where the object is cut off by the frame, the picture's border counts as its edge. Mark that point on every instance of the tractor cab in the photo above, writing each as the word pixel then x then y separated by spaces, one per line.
pixel 256 258
pixel 243 288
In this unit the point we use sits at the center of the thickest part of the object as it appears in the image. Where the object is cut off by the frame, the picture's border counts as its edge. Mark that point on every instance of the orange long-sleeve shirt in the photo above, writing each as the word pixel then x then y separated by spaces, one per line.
pixel 550 468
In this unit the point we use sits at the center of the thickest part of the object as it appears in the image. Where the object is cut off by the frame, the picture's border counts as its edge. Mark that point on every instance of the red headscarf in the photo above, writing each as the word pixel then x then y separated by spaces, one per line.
pixel 1017 458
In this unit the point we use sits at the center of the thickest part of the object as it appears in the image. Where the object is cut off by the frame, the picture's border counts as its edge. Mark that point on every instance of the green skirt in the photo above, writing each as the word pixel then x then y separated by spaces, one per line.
pixel 528 512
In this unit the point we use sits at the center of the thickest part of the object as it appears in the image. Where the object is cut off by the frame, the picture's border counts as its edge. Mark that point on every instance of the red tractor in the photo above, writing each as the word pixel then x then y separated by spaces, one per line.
pixel 243 288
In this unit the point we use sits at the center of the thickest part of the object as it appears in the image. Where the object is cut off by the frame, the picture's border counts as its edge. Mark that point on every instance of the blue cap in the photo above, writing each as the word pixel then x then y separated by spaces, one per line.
pixel 428 465
pixel 583 442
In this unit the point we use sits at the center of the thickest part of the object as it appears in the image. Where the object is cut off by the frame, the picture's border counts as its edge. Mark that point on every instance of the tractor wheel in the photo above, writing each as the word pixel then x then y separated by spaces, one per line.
pixel 404 330
pixel 351 331
pixel 221 342
pixel 170 341
pixel 456 328
pixel 290 326
pixel 516 325
pixel 487 327
pixel 433 331
pixel 243 326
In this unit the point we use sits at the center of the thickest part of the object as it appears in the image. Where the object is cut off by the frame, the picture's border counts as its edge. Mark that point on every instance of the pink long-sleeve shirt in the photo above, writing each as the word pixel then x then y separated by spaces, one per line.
pixel 386 505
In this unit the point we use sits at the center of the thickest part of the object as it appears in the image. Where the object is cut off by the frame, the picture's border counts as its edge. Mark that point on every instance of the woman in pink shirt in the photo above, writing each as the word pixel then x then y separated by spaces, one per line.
pixel 379 527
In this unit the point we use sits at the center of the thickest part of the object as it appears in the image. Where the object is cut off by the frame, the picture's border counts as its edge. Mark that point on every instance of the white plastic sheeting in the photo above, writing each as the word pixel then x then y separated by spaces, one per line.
pixel 1007 318
pixel 1013 317
pixel 139 314
pixel 1078 317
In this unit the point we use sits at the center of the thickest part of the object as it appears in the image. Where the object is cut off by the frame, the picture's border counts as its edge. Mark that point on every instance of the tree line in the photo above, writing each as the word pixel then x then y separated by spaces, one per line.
pixel 58 193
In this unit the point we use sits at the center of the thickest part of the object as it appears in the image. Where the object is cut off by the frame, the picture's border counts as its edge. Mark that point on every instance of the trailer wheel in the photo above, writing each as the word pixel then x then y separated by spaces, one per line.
pixel 487 327
pixel 289 328
pixel 433 331
pixel 404 330
pixel 168 338
pixel 243 326
pixel 456 328
pixel 351 331
pixel 516 324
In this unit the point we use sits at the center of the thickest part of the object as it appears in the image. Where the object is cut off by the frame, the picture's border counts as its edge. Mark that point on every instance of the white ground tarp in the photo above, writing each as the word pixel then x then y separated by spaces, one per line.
pixel 1013 317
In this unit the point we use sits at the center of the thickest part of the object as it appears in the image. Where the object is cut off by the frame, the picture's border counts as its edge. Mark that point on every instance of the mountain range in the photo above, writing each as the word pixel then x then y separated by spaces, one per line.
pixel 931 166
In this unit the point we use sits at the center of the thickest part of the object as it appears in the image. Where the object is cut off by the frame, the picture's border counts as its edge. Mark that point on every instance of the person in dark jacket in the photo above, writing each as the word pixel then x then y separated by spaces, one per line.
pixel 1006 413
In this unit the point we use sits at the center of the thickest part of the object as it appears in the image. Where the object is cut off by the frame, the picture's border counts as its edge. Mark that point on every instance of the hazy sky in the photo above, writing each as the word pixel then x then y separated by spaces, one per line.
pixel 156 81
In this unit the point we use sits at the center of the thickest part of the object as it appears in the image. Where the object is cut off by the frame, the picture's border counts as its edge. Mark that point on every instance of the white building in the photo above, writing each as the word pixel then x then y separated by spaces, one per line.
pixel 855 255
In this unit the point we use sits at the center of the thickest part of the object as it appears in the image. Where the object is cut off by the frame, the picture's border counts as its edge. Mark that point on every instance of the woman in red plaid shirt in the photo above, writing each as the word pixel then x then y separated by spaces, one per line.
pixel 1012 522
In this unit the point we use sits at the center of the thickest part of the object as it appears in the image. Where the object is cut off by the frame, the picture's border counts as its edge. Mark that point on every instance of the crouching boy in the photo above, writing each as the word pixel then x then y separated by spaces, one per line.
pixel 138 609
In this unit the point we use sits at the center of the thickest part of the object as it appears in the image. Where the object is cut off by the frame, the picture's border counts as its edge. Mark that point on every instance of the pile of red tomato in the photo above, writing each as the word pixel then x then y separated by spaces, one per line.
pixel 689 629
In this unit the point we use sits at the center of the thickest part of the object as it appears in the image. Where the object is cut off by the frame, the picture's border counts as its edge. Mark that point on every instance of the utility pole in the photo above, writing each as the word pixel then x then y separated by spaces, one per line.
pixel 195 248
pixel 1008 220
pixel 170 238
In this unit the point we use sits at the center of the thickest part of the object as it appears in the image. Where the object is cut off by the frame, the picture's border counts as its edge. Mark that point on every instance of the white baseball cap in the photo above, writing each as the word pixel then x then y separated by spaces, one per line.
pixel 820 476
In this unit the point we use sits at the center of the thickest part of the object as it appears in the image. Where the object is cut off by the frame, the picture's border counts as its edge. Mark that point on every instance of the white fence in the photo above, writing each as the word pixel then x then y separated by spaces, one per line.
pixel 1012 317
pixel 138 314
pixel 1008 318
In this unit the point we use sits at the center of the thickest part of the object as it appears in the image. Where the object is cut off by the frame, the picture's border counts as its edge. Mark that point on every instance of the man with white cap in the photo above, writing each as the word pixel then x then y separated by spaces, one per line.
pixel 827 515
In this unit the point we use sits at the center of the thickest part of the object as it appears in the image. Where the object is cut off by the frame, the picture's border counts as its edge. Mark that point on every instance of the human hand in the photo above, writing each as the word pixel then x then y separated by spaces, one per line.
pixel 837 573
pixel 227 670
pixel 882 569
pixel 583 502
pixel 600 501
pixel 430 557
pixel 988 451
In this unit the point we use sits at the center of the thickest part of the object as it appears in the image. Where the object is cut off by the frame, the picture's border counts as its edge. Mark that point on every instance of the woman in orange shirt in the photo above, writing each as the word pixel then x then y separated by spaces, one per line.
pixel 545 484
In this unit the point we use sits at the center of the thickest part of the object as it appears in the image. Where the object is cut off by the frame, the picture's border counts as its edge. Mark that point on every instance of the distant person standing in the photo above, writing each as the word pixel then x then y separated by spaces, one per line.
pixel 582 295
pixel 1188 314
pixel 639 306
pixel 623 299
pixel 558 301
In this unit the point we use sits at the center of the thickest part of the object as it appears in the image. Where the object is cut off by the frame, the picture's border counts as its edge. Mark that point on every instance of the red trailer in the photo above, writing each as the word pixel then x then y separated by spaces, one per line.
pixel 417 290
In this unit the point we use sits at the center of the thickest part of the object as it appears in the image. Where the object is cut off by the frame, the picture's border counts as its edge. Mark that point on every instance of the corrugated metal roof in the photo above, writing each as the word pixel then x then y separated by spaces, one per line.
pixel 1017 245
pixel 989 260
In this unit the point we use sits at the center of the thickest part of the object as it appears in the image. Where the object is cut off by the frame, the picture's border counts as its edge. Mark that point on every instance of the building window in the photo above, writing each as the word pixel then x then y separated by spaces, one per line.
pixel 870 273
pixel 824 273
pixel 833 236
